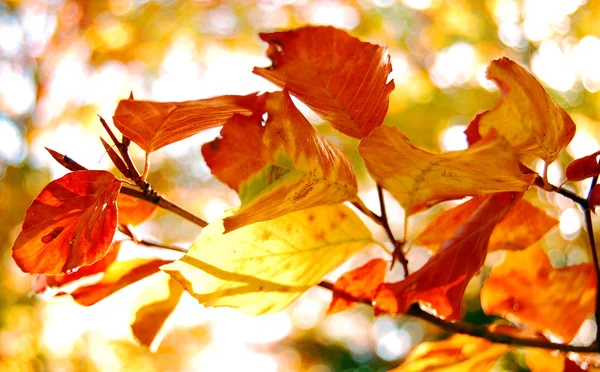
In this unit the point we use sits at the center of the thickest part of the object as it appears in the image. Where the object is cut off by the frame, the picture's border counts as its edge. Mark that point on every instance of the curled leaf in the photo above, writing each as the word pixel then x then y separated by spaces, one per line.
pixel 582 168
pixel 525 114
pixel 541 297
pixel 523 225
pixel 418 178
pixel 71 223
pixel 264 267
pixel 341 78
pixel 594 198
pixel 280 167
pixel 153 125
pixel 442 281
pixel 360 283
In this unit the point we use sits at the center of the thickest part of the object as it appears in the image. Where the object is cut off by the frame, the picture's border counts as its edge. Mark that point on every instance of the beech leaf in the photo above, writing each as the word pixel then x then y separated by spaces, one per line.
pixel 360 283
pixel 153 125
pixel 278 168
pixel 419 179
pixel 557 300
pixel 264 267
pixel 523 225
pixel 154 306
pixel 582 168
pixel 71 223
pixel 341 78
pixel 442 281
pixel 133 211
pixel 525 114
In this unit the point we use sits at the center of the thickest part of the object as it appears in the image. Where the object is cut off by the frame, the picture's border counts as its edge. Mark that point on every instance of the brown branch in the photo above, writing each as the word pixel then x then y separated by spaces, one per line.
pixel 566 193
pixel 149 242
pixel 149 194
pixel 398 253
pixel 590 232
pixel 470 329
pixel 367 212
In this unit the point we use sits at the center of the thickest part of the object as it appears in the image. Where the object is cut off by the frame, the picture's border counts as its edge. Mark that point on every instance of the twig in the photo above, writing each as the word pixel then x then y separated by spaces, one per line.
pixel 367 212
pixel 149 194
pixel 590 232
pixel 567 194
pixel 470 329
pixel 398 253
pixel 149 242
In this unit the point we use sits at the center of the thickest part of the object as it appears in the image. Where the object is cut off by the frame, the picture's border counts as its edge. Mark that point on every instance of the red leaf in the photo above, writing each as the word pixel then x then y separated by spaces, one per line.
pixel 341 78
pixel 133 211
pixel 360 283
pixel 582 168
pixel 44 281
pixel 594 199
pixel 71 223
pixel 442 281
pixel 153 125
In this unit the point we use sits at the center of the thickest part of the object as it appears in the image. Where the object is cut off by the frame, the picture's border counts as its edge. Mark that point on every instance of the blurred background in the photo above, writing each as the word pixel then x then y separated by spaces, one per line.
pixel 62 62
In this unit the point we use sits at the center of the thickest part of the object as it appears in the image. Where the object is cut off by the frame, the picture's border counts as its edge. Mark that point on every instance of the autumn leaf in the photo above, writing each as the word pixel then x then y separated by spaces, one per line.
pixel 582 168
pixel 525 115
pixel 418 178
pixel 540 360
pixel 594 198
pixel 154 306
pixel 263 267
pixel 527 290
pixel 118 275
pixel 45 281
pixel 153 125
pixel 459 353
pixel 133 211
pixel 442 281
pixel 278 168
pixel 523 225
pixel 71 223
pixel 360 283
pixel 341 78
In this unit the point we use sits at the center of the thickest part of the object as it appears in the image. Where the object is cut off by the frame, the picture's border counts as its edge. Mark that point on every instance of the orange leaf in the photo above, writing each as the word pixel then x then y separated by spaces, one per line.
pixel 418 178
pixel 582 168
pixel 44 281
pixel 71 223
pixel 525 115
pixel 341 78
pixel 542 297
pixel 458 353
pixel 118 276
pixel 155 305
pixel 153 125
pixel 540 360
pixel 523 225
pixel 133 211
pixel 280 167
pixel 360 283
pixel 442 281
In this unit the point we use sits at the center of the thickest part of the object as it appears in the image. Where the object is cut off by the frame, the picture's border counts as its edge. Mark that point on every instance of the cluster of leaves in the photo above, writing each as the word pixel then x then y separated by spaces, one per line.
pixel 293 227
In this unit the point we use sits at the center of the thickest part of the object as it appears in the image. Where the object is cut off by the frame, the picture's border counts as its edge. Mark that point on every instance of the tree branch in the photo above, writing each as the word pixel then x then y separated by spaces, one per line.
pixel 590 232
pixel 567 194
pixel 398 253
pixel 149 242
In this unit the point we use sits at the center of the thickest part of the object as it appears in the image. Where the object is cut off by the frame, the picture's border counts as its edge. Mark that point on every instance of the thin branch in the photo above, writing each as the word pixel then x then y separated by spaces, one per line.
pixel 471 329
pixel 567 194
pixel 590 232
pixel 398 245
pixel 149 242
pixel 367 212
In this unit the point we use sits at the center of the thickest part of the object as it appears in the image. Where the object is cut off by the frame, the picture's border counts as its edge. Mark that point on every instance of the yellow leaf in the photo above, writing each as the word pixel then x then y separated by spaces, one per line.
pixel 525 115
pixel 154 306
pixel 459 353
pixel 527 290
pixel 280 167
pixel 418 178
pixel 263 267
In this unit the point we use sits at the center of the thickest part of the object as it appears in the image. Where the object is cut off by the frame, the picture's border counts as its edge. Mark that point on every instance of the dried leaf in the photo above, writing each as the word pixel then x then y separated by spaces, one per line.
pixel 525 115
pixel 341 78
pixel 582 168
pixel 459 353
pixel 71 223
pixel 263 267
pixel 278 168
pixel 360 283
pixel 153 125
pixel 541 297
pixel 118 276
pixel 133 211
pixel 523 225
pixel 418 178
pixel 155 305
pixel 442 281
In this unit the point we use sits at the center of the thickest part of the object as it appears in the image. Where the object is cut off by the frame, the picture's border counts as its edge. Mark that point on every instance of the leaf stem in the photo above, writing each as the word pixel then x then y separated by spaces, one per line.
pixel 567 194
pixel 149 242
pixel 398 253
pixel 470 329
pixel 590 232
pixel 367 212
